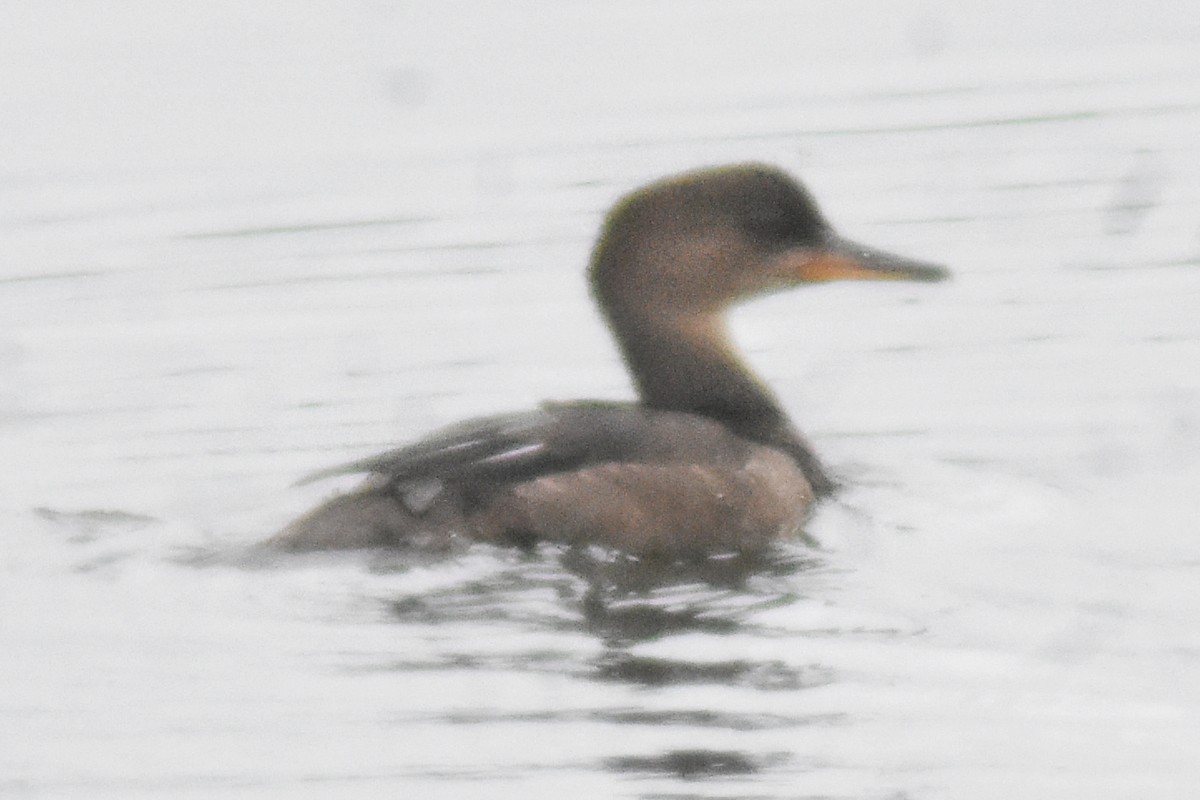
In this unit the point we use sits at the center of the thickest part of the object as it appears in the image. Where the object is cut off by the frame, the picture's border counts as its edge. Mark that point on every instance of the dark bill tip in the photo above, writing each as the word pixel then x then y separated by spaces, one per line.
pixel 884 265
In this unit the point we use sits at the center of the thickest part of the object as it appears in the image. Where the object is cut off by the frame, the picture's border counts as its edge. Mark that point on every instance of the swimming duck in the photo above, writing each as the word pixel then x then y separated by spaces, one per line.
pixel 706 462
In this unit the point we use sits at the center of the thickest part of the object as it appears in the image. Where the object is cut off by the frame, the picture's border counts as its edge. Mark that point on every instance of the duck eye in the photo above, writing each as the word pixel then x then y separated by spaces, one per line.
pixel 782 218
pixel 773 226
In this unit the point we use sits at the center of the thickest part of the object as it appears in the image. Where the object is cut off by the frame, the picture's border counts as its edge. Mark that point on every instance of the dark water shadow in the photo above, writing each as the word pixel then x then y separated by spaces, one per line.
pixel 695 764
pixel 104 538
pixel 623 601
pixel 618 598
pixel 573 594
pixel 87 525
pixel 632 599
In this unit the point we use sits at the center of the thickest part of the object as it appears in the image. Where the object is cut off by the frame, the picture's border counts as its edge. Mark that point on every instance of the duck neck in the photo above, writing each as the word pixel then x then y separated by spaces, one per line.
pixel 687 364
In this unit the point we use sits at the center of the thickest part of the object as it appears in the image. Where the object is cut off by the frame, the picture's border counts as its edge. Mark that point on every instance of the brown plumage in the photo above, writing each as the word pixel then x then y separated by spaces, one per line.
pixel 707 462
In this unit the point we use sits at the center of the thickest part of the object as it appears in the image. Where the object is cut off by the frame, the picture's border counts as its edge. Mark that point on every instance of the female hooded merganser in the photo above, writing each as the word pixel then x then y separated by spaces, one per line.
pixel 707 462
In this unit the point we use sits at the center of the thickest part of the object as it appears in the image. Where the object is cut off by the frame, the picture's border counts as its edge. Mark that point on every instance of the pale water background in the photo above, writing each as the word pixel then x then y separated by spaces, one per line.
pixel 243 240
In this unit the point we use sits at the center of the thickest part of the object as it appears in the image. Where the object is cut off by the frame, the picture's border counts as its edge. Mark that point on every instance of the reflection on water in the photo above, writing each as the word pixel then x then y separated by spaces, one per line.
pixel 215 282
pixel 622 601
pixel 618 598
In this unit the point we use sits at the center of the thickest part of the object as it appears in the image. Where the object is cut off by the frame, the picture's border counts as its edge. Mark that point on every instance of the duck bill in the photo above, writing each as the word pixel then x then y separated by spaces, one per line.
pixel 842 259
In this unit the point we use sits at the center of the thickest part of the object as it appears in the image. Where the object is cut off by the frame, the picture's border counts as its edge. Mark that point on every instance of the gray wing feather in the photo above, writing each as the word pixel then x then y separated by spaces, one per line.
pixel 451 449
pixel 554 438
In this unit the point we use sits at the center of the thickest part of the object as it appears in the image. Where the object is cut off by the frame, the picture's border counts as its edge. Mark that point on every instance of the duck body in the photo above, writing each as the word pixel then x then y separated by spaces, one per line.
pixel 707 462
pixel 634 478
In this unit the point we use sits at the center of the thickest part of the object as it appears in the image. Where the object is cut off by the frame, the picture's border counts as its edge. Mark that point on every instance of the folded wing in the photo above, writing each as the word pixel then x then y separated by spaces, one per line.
pixel 516 447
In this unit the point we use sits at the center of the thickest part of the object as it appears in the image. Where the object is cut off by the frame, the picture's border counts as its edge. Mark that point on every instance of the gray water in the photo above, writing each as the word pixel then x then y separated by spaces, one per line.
pixel 242 241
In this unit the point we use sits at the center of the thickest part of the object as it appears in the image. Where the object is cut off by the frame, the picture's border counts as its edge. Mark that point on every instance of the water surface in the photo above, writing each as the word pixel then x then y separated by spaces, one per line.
pixel 244 242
